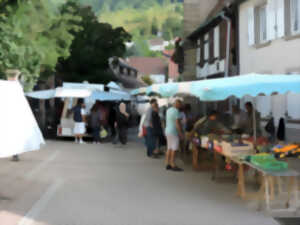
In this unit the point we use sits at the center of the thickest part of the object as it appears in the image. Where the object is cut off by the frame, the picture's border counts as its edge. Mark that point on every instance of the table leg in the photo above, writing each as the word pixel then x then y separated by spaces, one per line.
pixel 195 157
pixel 215 166
pixel 296 192
pixel 278 181
pixel 272 191
pixel 241 182
pixel 290 187
pixel 267 193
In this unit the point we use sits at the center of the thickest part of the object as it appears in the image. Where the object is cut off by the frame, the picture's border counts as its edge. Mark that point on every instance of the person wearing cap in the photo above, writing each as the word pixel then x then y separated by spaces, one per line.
pixel 173 132
pixel 210 125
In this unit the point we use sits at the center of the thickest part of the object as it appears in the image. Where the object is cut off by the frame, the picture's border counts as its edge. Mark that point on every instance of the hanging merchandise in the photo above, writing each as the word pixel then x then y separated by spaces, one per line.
pixel 281 130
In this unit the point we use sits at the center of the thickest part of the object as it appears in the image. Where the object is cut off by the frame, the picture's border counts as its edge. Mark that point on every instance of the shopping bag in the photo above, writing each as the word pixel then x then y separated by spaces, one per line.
pixel 103 133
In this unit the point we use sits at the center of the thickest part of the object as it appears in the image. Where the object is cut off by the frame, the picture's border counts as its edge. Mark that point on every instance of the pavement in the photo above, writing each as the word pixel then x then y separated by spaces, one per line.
pixel 71 184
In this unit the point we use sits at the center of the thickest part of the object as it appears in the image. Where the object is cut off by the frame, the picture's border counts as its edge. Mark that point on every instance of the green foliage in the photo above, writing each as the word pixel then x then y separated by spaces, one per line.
pixel 154 26
pixel 114 5
pixel 147 79
pixel 33 35
pixel 146 22
pixel 170 47
pixel 172 28
pixel 91 49
pixel 141 48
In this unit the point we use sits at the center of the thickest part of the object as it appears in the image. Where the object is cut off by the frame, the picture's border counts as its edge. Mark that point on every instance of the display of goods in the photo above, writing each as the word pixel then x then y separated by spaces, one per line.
pixel 259 140
pixel 197 141
pixel 268 162
pixel 210 145
pixel 291 150
pixel 237 149
pixel 218 148
pixel 264 148
pixel 204 141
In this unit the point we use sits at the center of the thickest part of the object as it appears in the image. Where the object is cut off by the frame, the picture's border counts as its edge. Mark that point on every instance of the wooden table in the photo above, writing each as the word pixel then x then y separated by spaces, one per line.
pixel 269 178
pixel 267 191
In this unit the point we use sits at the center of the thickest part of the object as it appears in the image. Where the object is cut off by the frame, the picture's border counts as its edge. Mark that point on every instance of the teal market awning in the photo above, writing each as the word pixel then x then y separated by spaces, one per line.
pixel 222 88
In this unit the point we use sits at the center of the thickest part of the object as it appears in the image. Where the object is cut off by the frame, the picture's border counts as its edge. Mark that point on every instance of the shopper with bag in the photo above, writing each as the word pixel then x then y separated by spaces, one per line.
pixel 122 123
pixel 96 122
pixel 150 138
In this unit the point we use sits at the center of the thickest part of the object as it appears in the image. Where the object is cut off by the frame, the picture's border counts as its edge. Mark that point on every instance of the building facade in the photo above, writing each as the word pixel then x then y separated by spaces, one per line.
pixel 269 40
pixel 154 67
pixel 210 49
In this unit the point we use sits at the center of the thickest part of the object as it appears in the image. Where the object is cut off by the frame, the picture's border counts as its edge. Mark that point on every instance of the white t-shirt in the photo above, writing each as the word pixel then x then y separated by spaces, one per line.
pixel 83 112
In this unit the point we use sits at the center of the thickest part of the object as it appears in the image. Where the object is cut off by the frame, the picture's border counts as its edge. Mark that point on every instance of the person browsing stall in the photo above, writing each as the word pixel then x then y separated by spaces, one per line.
pixel 173 133
pixel 148 124
pixel 210 125
pixel 249 123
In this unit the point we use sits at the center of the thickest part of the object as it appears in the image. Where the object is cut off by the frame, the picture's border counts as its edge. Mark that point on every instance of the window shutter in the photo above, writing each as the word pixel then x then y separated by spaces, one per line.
pixel 271 19
pixel 280 19
pixel 198 57
pixel 251 26
pixel 206 47
pixel 217 42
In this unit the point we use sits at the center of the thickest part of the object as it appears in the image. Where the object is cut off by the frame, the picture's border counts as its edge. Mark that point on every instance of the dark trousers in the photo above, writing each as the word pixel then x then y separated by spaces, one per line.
pixel 96 135
pixel 150 141
pixel 123 135
pixel 113 130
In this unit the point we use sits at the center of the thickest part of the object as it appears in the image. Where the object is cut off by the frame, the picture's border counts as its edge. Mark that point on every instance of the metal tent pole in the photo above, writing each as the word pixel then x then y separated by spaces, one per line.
pixel 254 122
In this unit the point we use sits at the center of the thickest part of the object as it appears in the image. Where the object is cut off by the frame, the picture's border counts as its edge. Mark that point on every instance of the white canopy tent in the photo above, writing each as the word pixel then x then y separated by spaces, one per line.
pixel 19 130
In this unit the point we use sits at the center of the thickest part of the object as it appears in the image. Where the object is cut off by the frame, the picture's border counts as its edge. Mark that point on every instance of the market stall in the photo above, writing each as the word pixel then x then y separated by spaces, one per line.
pixel 240 150
pixel 19 130
pixel 70 92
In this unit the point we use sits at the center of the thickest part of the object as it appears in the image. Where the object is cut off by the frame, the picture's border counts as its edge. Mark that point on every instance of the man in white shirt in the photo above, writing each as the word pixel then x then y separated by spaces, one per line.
pixel 80 120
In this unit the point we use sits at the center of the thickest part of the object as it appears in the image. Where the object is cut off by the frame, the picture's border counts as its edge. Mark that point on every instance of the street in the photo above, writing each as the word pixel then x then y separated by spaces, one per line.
pixel 70 184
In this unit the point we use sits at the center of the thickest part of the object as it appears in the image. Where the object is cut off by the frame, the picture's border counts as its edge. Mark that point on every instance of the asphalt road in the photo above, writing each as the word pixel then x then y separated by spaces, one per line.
pixel 71 184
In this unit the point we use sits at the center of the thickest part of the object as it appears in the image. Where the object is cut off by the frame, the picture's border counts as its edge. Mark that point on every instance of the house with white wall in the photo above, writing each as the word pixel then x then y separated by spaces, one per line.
pixel 269 43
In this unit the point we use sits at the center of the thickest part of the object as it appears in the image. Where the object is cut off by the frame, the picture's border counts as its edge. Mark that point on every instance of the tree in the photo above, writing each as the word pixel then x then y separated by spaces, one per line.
pixel 147 80
pixel 33 35
pixel 172 28
pixel 154 27
pixel 91 49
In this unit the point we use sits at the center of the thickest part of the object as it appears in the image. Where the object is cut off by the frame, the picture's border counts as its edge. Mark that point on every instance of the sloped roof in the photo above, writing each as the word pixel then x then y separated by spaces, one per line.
pixel 148 65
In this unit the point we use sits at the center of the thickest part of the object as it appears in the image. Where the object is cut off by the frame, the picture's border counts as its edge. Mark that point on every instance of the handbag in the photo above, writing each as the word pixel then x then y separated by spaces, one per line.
pixel 103 133
pixel 144 131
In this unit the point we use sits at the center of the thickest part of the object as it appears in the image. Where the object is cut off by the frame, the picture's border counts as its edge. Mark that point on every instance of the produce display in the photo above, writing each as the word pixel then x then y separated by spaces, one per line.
pixel 268 162
pixel 264 155
pixel 292 150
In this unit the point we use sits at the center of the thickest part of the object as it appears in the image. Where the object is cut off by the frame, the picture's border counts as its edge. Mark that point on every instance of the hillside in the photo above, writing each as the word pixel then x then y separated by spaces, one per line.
pixel 144 19
pixel 115 5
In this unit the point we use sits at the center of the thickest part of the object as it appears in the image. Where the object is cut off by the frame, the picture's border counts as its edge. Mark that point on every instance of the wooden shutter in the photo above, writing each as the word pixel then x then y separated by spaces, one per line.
pixel 280 18
pixel 198 54
pixel 211 46
pixel 201 51
pixel 251 26
pixel 217 42
pixel 271 20
pixel 223 38
pixel 206 47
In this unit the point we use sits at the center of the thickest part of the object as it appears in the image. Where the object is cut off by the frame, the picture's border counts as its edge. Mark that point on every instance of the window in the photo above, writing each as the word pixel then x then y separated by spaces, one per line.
pixel 198 51
pixel 295 16
pixel 206 47
pixel 262 21
pixel 217 42
pixel 267 22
